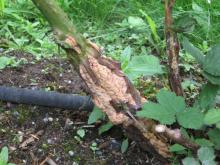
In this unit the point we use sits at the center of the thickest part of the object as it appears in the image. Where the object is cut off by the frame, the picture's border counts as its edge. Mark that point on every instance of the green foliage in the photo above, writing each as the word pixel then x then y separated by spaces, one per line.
pixel 204 143
pixel 5 61
pixel 152 25
pixel 190 118
pixel 4 157
pixel 177 148
pixel 207 96
pixel 157 112
pixel 105 127
pixel 205 155
pixel 142 66
pixel 95 115
pixel 184 24
pixel 124 146
pixel 212 117
pixel 171 107
pixel 136 22
pixel 2 6
pixel 81 133
pixel 24 29
pixel 214 135
pixel 190 161
pixel 10 61
pixel 210 62
pixel 195 52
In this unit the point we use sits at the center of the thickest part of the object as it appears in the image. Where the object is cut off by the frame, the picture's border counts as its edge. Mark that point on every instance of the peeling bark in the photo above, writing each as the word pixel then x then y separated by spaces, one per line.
pixel 173 47
pixel 110 89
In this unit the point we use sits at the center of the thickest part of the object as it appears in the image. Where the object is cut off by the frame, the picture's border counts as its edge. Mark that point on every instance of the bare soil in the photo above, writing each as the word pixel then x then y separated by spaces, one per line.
pixel 35 133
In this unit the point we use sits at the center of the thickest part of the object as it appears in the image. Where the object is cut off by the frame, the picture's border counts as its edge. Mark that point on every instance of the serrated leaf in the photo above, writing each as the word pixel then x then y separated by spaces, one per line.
pixel 143 66
pixel 204 142
pixel 105 127
pixel 213 79
pixel 212 61
pixel 207 95
pixel 190 161
pixel 4 156
pixel 190 118
pixel 124 146
pixel 212 116
pixel 136 22
pixel 214 135
pixel 170 101
pixel 195 52
pixel 157 112
pixel 205 154
pixel 95 115
pixel 176 148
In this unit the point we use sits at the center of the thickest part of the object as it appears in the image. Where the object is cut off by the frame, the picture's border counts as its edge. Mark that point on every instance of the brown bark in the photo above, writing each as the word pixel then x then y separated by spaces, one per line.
pixel 173 47
pixel 110 89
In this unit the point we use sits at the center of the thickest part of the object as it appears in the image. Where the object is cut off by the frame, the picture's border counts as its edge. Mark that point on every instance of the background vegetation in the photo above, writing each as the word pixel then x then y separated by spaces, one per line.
pixel 129 30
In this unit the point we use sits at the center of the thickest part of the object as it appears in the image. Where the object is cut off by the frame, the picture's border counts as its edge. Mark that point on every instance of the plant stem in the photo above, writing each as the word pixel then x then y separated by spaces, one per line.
pixel 172 47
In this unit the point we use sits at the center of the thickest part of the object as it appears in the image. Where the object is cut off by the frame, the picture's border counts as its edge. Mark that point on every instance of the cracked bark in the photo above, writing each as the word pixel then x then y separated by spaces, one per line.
pixel 110 89
pixel 172 47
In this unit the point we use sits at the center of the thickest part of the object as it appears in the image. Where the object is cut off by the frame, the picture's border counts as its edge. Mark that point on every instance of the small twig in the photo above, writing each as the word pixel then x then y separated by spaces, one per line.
pixel 176 136
pixel 49 161
pixel 31 139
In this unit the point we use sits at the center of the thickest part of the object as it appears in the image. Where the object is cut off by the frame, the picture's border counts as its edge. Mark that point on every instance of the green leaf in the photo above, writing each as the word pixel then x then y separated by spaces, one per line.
pixel 170 101
pixel 214 135
pixel 105 127
pixel 190 161
pixel 125 57
pixel 184 133
pixel 143 66
pixel 213 79
pixel 152 25
pixel 136 22
pixel 157 112
pixel 2 6
pixel 4 156
pixel 5 61
pixel 176 148
pixel 204 143
pixel 184 23
pixel 207 95
pixel 206 154
pixel 195 52
pixel 212 116
pixel 212 61
pixel 190 118
pixel 124 146
pixel 218 125
pixel 95 115
pixel 209 162
pixel 81 133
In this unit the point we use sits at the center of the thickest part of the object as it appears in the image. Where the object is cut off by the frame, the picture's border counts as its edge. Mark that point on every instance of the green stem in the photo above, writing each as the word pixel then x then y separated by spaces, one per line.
pixel 61 24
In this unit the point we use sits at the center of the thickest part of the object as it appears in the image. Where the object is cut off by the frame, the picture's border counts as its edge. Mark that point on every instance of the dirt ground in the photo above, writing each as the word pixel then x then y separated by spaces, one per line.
pixel 36 134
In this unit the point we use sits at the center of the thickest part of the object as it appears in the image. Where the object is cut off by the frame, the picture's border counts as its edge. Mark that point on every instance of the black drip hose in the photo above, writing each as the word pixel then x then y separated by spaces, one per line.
pixel 43 98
